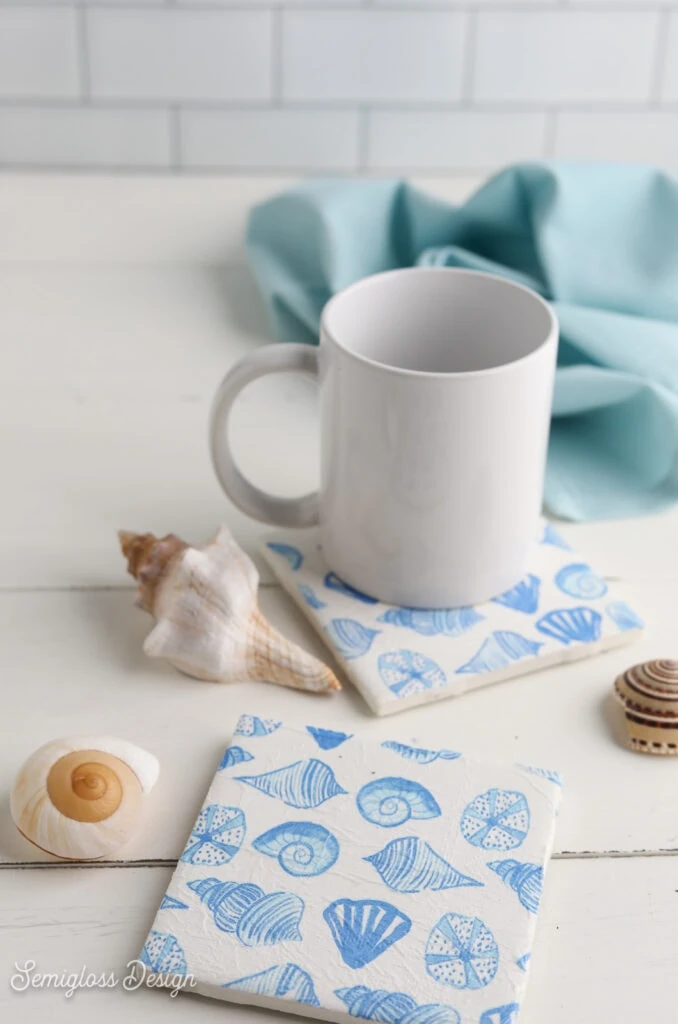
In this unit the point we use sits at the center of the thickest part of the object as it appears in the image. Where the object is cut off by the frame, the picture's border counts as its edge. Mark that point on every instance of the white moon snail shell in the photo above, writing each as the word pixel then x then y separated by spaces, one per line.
pixel 81 798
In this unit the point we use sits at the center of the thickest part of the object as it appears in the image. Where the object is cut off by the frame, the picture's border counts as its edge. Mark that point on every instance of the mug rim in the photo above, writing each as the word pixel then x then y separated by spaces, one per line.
pixel 549 337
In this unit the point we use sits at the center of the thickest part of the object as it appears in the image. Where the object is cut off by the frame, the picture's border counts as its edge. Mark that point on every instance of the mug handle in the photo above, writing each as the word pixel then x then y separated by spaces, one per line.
pixel 252 500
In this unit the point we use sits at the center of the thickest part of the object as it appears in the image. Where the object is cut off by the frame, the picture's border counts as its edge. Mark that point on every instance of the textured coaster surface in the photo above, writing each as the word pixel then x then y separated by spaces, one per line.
pixel 400 657
pixel 340 878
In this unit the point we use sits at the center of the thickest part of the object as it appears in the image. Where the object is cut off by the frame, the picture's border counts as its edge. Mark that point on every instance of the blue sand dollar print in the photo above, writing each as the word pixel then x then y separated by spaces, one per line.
pixel 386 1007
pixel 500 649
pixel 301 847
pixel 170 903
pixel 332 582
pixel 523 961
pixel 524 597
pixel 409 672
pixel 328 739
pixel 434 621
pixel 552 537
pixel 302 784
pixel 623 616
pixel 234 755
pixel 392 801
pixel 526 880
pixel 250 725
pixel 579 580
pixel 410 865
pixel 420 754
pixel 461 952
pixel 255 917
pixel 310 597
pixel 506 1014
pixel 571 625
pixel 163 954
pixel 350 637
pixel 216 837
pixel 496 820
pixel 292 556
pixel 364 929
pixel 544 773
pixel 286 981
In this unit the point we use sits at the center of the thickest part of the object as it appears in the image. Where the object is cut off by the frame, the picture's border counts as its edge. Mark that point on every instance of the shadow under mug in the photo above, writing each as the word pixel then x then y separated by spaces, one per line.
pixel 435 399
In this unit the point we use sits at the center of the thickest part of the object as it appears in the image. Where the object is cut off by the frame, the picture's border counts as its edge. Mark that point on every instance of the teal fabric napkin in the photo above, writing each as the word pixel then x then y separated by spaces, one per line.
pixel 599 241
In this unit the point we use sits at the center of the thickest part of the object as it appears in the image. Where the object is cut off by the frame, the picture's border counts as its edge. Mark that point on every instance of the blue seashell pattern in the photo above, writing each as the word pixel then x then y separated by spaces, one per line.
pixel 572 625
pixel 328 739
pixel 461 952
pixel 286 981
pixel 216 837
pixel 250 725
pixel 544 773
pixel 411 865
pixel 364 929
pixel 506 1014
pixel 302 847
pixel 498 819
pixel 552 537
pixel 350 637
pixel 392 801
pixel 580 581
pixel 234 755
pixel 378 1004
pixel 435 621
pixel 310 597
pixel 302 784
pixel 292 555
pixel 420 755
pixel 523 961
pixel 409 672
pixel 524 597
pixel 170 903
pixel 499 650
pixel 332 582
pixel 255 917
pixel 623 616
pixel 163 954
pixel 526 880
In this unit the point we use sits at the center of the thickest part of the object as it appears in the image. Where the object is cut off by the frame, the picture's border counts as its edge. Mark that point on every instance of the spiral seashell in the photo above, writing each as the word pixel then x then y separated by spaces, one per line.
pixel 525 879
pixel 284 981
pixel 552 537
pixel 171 903
pixel 420 755
pixel 498 819
pixel 523 961
pixel 623 616
pixel 255 917
pixel 332 582
pixel 544 773
pixel 301 847
pixel 499 650
pixel 216 836
pixel 81 798
pixel 163 954
pixel 649 695
pixel 572 625
pixel 524 597
pixel 310 597
pixel 350 637
pixel 392 801
pixel 250 725
pixel 435 621
pixel 506 1014
pixel 292 555
pixel 386 1007
pixel 580 581
pixel 364 929
pixel 302 784
pixel 328 739
pixel 410 865
pixel 462 952
pixel 234 755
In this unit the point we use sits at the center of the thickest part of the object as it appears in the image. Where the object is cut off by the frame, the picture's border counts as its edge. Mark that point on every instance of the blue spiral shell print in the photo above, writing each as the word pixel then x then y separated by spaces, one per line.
pixel 623 616
pixel 462 952
pixel 163 954
pixel 545 773
pixel 571 625
pixel 292 555
pixel 234 755
pixel 524 597
pixel 364 929
pixel 499 650
pixel 217 835
pixel 435 621
pixel 378 1004
pixel 506 1014
pixel 302 784
pixel 391 801
pixel 410 865
pixel 255 917
pixel 250 725
pixel 284 981
pixel 552 537
pixel 409 672
pixel 350 637
pixel 420 755
pixel 171 903
pixel 310 597
pixel 328 739
pixel 523 961
pixel 498 819
pixel 579 580
pixel 301 847
pixel 332 582
pixel 526 880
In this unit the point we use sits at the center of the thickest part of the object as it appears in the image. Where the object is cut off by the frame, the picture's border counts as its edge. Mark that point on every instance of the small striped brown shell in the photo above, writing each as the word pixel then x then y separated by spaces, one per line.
pixel 649 696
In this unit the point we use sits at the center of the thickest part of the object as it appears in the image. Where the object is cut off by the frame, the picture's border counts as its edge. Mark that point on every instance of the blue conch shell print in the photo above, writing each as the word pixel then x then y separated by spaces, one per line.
pixel 544 773
pixel 234 755
pixel 523 961
pixel 292 555
pixel 496 820
pixel 302 847
pixel 420 754
pixel 216 837
pixel 623 616
pixel 328 739
pixel 409 672
pixel 435 621
pixel 410 865
pixel 506 1014
pixel 552 537
pixel 302 784
pixel 500 649
pixel 364 929
pixel 170 903
pixel 284 981
pixel 332 582
pixel 462 952
pixel 525 879
pixel 386 1007
pixel 392 801
pixel 250 725
pixel 350 637
pixel 257 918
pixel 579 580
pixel 163 954
pixel 310 597
pixel 524 597
pixel 569 625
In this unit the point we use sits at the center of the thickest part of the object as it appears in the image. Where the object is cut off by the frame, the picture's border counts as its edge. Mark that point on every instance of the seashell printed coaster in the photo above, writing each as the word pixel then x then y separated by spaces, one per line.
pixel 340 878
pixel 400 657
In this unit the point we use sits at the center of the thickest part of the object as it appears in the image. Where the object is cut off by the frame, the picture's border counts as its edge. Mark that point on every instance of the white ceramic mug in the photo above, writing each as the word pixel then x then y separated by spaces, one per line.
pixel 435 397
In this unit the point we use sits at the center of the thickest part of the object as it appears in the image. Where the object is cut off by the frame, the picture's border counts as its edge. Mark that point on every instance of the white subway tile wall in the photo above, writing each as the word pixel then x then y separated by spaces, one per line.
pixel 336 86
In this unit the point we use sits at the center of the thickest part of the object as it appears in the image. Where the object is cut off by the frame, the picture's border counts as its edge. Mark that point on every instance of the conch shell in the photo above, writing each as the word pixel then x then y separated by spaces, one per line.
pixel 208 622
pixel 80 798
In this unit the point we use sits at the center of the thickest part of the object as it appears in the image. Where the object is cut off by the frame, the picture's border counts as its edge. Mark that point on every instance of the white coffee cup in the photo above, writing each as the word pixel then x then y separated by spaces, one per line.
pixel 435 397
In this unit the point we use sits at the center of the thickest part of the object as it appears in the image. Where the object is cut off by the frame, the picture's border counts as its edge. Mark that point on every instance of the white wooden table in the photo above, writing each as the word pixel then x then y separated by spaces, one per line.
pixel 122 303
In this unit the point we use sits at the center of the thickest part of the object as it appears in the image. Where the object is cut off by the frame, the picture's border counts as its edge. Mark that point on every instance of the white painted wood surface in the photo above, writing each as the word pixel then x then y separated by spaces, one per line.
pixel 122 303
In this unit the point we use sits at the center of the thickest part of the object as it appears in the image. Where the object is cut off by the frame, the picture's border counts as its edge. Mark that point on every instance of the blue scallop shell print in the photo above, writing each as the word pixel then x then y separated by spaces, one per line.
pixel 499 650
pixel 302 784
pixel 284 981
pixel 433 622
pixel 163 954
pixel 571 625
pixel 292 555
pixel 364 929
pixel 170 903
pixel 332 582
pixel 623 616
pixel 524 597
pixel 506 1014
pixel 526 880
pixel 410 865
pixel 250 725
pixel 544 773
pixel 328 739
pixel 301 847
pixel 552 537
pixel 216 837
pixel 391 801
pixel 498 819
pixel 386 1007
pixel 234 755
pixel 462 952
pixel 310 597
pixel 579 580
pixel 255 917
pixel 409 672
pixel 420 755
pixel 350 637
